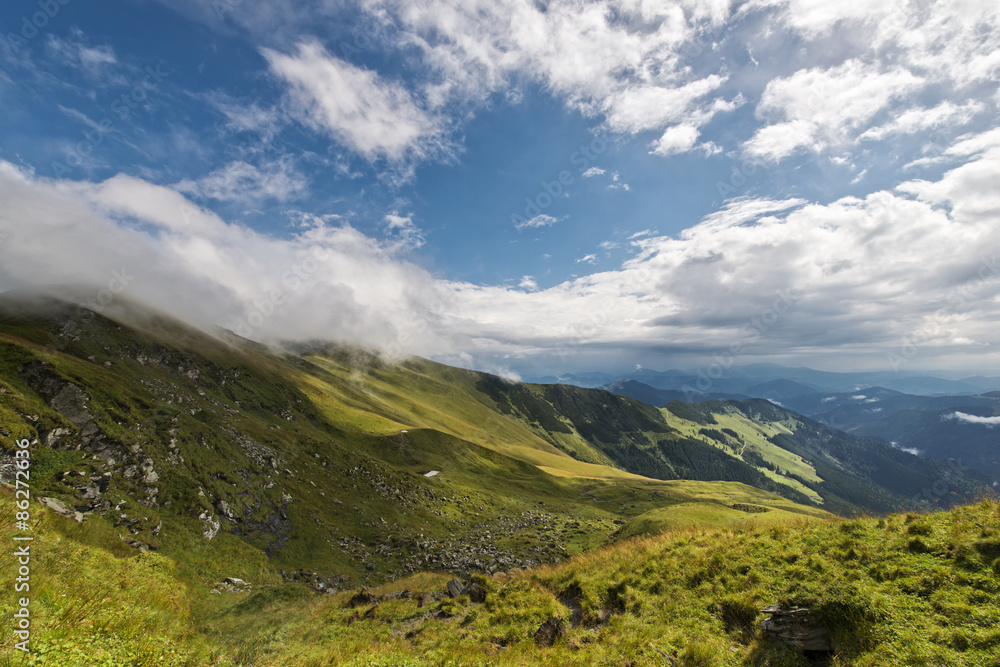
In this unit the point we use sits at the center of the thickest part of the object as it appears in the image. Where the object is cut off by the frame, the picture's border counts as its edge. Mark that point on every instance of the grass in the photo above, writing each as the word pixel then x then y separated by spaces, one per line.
pixel 898 590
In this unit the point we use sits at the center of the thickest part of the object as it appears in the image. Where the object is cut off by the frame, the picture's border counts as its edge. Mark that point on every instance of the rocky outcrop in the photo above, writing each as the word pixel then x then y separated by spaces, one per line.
pixel 232 585
pixel 69 400
pixel 798 627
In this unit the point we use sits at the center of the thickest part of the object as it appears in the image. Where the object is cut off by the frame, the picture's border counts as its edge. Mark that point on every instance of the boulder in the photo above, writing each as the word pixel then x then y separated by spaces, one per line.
pixel 455 588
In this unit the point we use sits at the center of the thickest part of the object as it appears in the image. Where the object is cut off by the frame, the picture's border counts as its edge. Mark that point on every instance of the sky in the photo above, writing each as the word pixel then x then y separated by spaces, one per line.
pixel 524 187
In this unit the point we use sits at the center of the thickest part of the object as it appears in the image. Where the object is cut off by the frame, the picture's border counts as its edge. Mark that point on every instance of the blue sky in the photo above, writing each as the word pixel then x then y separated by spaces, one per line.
pixel 522 187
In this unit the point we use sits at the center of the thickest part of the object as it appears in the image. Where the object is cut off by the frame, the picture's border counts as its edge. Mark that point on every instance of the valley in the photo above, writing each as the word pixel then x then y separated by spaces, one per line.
pixel 202 459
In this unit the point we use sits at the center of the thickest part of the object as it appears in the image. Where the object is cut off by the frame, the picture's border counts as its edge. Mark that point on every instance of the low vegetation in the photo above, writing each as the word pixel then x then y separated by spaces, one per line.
pixel 906 589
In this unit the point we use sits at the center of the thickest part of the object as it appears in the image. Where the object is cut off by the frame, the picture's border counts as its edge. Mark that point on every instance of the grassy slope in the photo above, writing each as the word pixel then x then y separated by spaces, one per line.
pixel 322 417
pixel 900 590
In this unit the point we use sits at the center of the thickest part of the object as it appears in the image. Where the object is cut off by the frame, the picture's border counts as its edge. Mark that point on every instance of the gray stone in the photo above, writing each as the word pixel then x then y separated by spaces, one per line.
pixel 797 627
pixel 455 588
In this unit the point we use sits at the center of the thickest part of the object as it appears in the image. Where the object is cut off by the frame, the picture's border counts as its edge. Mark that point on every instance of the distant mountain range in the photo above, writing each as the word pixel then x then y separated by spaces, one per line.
pixel 927 419
pixel 775 382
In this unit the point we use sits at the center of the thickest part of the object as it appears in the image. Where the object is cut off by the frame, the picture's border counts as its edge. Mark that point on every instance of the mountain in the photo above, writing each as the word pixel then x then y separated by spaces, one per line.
pixel 755 380
pixel 931 425
pixel 315 456
pixel 198 461
pixel 985 384
pixel 779 390
pixel 660 397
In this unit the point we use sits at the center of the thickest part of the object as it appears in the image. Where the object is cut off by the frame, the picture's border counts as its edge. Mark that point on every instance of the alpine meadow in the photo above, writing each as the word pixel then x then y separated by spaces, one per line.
pixel 455 333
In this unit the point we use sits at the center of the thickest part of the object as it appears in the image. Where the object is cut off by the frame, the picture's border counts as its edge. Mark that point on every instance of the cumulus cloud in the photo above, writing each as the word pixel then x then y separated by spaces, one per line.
pixel 851 278
pixel 677 139
pixel 592 171
pixel 374 117
pixel 663 68
pixel 816 108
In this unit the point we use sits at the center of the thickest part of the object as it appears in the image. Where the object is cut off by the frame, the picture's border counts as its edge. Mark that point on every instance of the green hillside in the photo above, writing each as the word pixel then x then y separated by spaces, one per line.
pixel 315 457
pixel 899 590
pixel 311 470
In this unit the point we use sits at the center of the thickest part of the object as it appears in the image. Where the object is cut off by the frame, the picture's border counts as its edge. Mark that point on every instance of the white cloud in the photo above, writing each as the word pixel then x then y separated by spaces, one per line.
pixel 816 108
pixel 246 116
pixel 616 184
pixel 593 171
pixel 642 66
pixel 989 422
pixel 328 282
pixel 677 139
pixel 242 182
pixel 540 220
pixel 371 116
pixel 622 60
pixel 847 279
pixel 408 236
pixel 917 120
pixel 528 283
pixel 637 109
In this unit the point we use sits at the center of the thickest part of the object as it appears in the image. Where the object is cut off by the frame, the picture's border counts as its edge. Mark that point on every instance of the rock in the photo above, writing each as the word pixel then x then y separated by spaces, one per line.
pixel 211 524
pixel 476 592
pixel 60 507
pixel 455 588
pixel 797 627
pixel 549 632
pixel 233 585
pixel 363 597
pixel 215 591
